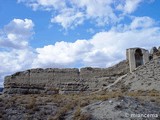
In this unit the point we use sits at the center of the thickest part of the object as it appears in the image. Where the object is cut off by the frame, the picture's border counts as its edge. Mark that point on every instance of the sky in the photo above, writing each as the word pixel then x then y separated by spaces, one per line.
pixel 74 33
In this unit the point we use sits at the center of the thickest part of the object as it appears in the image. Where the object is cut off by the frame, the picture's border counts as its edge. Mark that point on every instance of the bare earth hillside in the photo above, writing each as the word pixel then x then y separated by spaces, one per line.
pixel 109 94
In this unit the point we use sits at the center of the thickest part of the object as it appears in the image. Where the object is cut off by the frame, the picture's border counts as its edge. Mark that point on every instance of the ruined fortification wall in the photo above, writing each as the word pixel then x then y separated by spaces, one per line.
pixel 97 78
pixel 53 80
pixel 39 80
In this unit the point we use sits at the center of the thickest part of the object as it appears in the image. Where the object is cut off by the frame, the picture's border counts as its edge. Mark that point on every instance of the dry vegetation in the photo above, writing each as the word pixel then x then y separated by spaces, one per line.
pixel 56 107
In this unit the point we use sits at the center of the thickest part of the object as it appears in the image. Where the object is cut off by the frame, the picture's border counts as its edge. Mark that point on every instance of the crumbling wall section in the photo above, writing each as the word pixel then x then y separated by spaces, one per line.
pixel 69 80
pixel 97 78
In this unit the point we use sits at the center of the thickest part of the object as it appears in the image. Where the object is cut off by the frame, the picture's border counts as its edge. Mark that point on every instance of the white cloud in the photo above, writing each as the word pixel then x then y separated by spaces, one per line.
pixel 16 34
pixel 62 54
pixel 142 22
pixel 68 17
pixel 71 13
pixel 44 4
pixel 100 10
pixel 20 27
pixel 128 6
pixel 15 60
pixel 103 49
pixel 15 54
pixel 1 83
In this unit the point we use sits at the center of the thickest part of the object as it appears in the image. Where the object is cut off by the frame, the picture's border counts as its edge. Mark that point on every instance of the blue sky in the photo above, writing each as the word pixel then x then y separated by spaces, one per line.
pixel 74 33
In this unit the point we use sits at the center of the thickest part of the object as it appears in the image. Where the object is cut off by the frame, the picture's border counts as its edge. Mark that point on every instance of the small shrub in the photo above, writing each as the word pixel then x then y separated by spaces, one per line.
pixel 77 113
pixel 84 103
pixel 154 93
pixel 63 110
pixel 31 104
pixel 85 116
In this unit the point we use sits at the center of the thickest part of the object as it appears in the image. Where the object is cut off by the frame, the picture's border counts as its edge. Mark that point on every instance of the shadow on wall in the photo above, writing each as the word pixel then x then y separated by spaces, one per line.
pixel 1 89
pixel 140 56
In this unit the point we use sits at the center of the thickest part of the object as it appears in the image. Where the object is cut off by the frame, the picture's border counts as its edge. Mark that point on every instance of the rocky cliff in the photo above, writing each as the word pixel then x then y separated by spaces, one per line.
pixel 54 80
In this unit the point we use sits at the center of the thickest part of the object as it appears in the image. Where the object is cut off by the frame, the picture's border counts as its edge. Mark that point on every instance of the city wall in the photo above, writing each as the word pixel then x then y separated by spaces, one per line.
pixel 70 80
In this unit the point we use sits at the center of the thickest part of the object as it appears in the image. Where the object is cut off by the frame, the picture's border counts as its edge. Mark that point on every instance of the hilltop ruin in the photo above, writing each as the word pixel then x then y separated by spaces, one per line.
pixel 72 80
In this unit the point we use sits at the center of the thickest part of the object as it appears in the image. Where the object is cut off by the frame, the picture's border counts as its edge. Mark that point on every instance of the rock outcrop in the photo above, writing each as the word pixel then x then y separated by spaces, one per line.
pixel 124 108
pixel 71 80
pixel 143 78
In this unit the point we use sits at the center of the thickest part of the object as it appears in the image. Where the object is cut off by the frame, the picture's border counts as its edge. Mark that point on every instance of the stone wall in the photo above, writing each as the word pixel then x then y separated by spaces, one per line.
pixel 131 57
pixel 39 80
pixel 70 80
pixel 97 78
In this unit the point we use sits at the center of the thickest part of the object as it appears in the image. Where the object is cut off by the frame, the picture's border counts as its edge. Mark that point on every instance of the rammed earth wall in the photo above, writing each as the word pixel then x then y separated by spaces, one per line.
pixel 69 80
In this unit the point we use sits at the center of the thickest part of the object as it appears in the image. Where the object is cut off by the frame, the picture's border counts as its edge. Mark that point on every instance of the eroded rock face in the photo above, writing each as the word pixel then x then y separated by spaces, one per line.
pixel 70 80
pixel 124 108
pixel 143 78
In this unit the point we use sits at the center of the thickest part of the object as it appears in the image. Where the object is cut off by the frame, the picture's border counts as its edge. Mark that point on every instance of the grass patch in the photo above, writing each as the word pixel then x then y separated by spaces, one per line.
pixel 68 103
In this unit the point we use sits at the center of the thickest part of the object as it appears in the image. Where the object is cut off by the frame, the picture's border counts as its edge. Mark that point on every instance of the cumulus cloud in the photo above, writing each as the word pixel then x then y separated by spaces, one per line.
pixel 103 49
pixel 16 34
pixel 62 54
pixel 14 61
pixel 1 83
pixel 71 13
pixel 128 6
pixel 15 52
pixel 101 11
pixel 68 17
pixel 142 22
pixel 47 5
